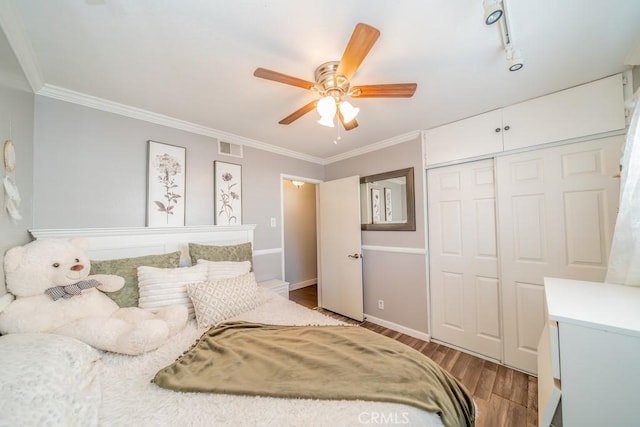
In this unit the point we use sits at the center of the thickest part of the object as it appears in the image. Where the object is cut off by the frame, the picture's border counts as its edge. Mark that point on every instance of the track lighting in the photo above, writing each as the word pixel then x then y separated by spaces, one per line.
pixel 496 11
pixel 493 11
pixel 514 59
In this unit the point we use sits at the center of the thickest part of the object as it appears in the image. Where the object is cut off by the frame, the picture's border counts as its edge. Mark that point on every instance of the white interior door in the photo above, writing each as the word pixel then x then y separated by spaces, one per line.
pixel 340 247
pixel 557 208
pixel 463 259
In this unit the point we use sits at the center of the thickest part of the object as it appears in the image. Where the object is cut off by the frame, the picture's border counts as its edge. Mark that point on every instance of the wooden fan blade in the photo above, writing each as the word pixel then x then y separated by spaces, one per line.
pixel 361 42
pixel 395 90
pixel 263 73
pixel 298 113
pixel 347 126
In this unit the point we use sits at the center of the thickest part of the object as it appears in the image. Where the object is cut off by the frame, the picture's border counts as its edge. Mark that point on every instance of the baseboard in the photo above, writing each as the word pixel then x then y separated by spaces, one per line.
pixel 399 328
pixel 303 284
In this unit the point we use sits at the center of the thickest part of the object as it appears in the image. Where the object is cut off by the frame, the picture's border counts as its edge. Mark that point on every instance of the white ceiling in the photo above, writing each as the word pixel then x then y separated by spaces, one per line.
pixel 193 60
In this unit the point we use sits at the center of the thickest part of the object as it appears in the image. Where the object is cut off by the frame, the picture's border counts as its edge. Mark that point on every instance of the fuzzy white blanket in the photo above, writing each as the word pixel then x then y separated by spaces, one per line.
pixel 129 398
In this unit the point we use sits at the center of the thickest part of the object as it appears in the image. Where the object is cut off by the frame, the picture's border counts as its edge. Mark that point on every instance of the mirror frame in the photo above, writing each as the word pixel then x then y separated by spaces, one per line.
pixel 410 224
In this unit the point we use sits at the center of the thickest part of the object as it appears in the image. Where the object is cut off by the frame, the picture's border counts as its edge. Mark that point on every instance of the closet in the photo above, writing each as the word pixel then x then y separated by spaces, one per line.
pixel 499 225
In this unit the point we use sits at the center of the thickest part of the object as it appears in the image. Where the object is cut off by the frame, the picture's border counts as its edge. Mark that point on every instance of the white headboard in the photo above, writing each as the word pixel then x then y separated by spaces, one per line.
pixel 114 243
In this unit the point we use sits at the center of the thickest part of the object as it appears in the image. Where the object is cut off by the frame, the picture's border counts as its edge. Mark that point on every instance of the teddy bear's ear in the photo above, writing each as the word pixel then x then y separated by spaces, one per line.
pixel 80 243
pixel 12 258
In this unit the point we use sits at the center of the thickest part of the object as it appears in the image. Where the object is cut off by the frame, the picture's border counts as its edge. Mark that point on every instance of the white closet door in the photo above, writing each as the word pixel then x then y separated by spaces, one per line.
pixel 556 210
pixel 465 304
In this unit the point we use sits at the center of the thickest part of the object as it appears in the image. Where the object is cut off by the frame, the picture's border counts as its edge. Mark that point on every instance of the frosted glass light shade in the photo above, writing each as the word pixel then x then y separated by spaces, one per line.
pixel 326 106
pixel 327 121
pixel 348 111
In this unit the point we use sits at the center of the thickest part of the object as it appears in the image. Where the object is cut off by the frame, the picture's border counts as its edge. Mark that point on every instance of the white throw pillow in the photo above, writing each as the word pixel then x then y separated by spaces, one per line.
pixel 160 287
pixel 48 379
pixel 225 269
pixel 215 302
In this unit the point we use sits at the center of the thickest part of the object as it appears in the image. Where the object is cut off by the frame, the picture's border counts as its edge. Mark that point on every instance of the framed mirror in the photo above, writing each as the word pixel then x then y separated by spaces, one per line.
pixel 387 201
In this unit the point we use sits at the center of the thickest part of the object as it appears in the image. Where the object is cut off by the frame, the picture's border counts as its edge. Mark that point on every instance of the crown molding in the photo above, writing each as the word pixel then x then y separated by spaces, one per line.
pixel 60 93
pixel 374 147
pixel 13 27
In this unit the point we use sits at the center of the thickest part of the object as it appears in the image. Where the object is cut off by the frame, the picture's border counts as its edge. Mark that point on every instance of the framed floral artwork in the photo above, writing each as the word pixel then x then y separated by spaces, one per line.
pixel 375 205
pixel 388 205
pixel 228 193
pixel 166 185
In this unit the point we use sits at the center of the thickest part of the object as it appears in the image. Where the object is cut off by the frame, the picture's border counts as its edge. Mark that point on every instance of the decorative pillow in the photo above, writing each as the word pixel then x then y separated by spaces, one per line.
pixel 160 287
pixel 128 268
pixel 225 269
pixel 215 302
pixel 240 252
pixel 48 379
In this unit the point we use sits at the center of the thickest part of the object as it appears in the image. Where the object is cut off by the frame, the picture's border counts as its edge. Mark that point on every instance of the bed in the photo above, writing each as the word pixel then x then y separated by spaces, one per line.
pixel 55 380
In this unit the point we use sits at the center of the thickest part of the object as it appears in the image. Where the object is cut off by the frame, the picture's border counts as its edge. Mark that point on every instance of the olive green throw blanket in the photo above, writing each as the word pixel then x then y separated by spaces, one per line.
pixel 317 362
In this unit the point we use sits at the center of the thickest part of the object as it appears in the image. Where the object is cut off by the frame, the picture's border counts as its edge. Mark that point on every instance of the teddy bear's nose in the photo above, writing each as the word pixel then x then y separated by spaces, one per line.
pixel 77 267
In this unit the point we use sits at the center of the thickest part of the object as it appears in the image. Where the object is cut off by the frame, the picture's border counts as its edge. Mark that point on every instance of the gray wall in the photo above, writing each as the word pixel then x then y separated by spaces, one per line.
pixel 300 242
pixel 90 171
pixel 400 279
pixel 16 121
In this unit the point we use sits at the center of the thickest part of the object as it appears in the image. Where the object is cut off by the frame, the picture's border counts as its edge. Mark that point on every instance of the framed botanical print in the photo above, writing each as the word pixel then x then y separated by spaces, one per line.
pixel 228 193
pixel 166 185
pixel 375 205
pixel 388 205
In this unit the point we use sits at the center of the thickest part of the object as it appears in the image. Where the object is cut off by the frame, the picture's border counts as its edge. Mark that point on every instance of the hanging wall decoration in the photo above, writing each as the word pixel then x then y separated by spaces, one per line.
pixel 228 193
pixel 166 185
pixel 375 205
pixel 12 196
pixel 388 206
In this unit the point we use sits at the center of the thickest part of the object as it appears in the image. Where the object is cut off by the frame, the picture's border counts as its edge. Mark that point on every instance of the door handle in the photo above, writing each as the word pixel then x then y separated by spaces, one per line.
pixel 355 256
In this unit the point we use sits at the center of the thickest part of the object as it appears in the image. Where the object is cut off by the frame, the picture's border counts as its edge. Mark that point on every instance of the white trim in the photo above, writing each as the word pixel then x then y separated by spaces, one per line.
pixel 395 249
pixel 60 93
pixel 303 284
pixel 133 231
pixel 374 147
pixel 11 23
pixel 398 328
pixel 261 252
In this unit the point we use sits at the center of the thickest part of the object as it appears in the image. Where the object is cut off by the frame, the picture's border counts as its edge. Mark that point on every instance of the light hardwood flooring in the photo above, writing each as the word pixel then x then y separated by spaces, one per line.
pixel 505 397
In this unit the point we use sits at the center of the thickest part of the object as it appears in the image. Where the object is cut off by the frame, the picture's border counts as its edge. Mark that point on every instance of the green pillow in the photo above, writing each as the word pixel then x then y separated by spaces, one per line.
pixel 240 252
pixel 128 269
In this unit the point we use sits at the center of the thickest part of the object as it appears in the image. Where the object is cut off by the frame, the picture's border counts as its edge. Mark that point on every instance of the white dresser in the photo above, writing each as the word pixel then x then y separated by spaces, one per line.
pixel 276 285
pixel 589 355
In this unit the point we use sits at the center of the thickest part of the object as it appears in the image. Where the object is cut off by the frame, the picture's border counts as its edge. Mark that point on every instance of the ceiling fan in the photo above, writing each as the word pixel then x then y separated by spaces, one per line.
pixel 333 83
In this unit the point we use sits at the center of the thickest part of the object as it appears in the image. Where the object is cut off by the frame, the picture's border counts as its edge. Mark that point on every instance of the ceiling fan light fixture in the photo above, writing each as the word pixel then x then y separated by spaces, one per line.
pixel 326 107
pixel 348 111
pixel 327 121
pixel 493 11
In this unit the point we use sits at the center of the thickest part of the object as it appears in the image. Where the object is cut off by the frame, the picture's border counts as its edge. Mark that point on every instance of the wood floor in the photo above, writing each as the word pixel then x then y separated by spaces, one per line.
pixel 505 397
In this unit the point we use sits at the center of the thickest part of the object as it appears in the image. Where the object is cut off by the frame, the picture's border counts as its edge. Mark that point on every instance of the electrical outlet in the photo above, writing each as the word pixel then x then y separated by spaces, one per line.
pixel 381 304
pixel 273 222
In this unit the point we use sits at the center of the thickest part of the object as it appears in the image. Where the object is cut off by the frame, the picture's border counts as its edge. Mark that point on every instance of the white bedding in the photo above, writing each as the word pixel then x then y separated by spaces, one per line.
pixel 129 398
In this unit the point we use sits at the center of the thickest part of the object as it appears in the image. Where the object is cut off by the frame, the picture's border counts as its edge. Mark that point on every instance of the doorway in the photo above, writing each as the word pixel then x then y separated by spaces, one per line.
pixel 299 239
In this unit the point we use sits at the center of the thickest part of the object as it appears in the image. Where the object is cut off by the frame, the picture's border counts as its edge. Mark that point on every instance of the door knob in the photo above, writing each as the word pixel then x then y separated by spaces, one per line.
pixel 355 256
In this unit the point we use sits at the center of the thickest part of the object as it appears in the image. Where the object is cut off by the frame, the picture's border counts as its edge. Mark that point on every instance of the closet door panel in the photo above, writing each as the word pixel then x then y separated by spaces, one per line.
pixel 465 295
pixel 556 213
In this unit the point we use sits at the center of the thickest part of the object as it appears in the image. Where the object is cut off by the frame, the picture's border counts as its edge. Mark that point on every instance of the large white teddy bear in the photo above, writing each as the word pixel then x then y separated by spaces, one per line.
pixel 55 294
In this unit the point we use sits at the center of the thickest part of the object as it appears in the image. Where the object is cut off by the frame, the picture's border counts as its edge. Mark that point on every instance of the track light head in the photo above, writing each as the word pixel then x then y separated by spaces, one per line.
pixel 493 11
pixel 514 59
